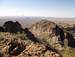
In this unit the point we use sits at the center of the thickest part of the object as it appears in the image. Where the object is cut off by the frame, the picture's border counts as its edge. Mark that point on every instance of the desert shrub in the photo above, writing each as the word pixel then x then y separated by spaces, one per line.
pixel 1 38
pixel 21 36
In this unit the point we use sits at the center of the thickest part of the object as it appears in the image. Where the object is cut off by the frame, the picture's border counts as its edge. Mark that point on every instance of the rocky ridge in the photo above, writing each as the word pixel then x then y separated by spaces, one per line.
pixel 14 46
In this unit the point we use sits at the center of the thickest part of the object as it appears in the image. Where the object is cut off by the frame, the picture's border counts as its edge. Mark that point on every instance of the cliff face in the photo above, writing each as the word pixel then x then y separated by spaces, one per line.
pixel 50 32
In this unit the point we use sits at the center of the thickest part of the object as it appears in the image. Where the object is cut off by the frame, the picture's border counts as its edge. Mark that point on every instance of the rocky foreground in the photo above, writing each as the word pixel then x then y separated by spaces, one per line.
pixel 13 45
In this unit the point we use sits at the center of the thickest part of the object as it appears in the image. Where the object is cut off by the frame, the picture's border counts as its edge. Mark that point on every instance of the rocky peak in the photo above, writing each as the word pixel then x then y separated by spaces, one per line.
pixel 43 26
pixel 50 32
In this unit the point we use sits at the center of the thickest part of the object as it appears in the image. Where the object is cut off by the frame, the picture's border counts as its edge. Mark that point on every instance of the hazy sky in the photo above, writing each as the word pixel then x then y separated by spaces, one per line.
pixel 50 8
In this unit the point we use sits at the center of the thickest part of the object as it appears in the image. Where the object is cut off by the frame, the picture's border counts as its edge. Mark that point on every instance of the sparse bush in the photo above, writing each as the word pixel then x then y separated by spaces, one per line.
pixel 21 35
pixel 1 38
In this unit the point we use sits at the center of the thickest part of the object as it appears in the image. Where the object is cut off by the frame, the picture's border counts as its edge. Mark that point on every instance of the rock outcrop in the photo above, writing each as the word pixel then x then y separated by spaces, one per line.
pixel 12 27
pixel 50 32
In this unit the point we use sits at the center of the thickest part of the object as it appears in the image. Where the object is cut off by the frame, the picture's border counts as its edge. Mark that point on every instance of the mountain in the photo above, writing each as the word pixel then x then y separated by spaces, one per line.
pixel 50 32
pixel 28 21
pixel 41 37
pixel 24 21
pixel 53 35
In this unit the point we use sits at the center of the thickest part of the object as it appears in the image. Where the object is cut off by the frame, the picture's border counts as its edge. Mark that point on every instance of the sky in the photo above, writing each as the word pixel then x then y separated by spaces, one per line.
pixel 45 8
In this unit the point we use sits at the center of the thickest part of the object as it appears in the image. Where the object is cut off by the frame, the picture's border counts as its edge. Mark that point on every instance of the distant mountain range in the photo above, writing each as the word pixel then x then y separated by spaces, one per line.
pixel 27 21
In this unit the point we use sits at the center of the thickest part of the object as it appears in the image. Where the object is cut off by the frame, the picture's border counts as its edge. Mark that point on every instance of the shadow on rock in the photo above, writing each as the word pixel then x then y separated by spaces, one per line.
pixel 1 29
pixel 71 40
pixel 30 35
pixel 59 31
pixel 15 48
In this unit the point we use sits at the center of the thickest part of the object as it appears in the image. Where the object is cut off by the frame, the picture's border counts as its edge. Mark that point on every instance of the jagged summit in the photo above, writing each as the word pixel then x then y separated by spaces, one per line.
pixel 43 26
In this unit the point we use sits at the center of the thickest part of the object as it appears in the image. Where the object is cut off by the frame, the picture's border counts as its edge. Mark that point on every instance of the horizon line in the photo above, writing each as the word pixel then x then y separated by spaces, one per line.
pixel 38 16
